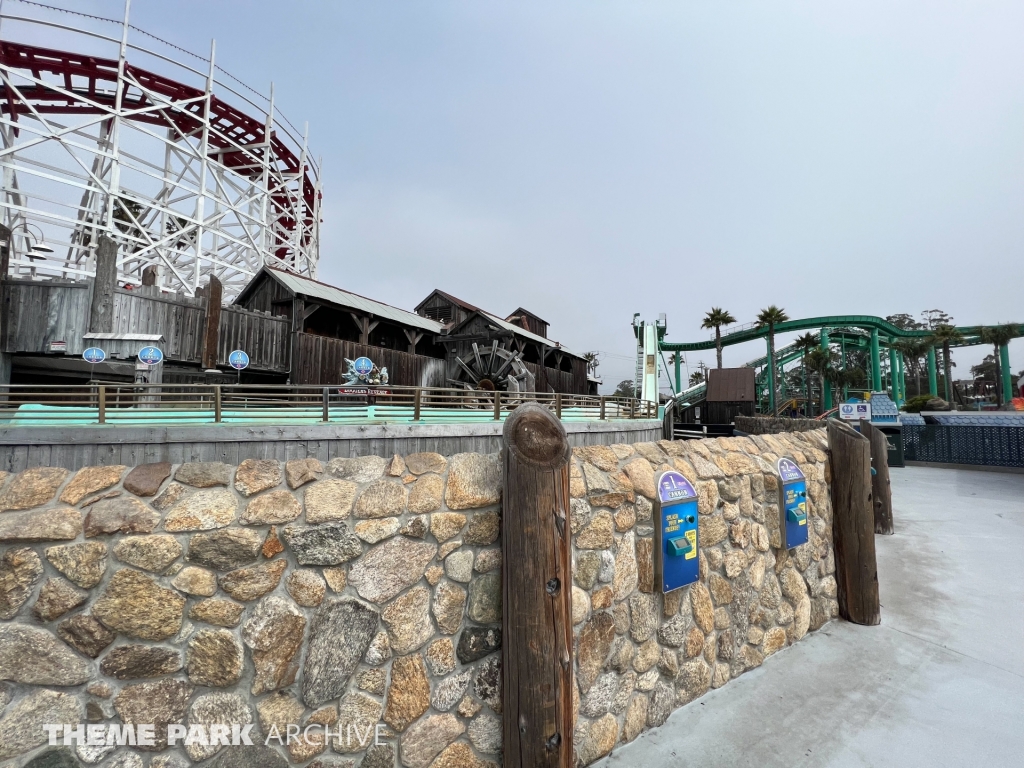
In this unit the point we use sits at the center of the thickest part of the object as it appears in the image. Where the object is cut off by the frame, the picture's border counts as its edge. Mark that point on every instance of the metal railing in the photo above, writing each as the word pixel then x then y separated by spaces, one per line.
pixel 989 446
pixel 196 404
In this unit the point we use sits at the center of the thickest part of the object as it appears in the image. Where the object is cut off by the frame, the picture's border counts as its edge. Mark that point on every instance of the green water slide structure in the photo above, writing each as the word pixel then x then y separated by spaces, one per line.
pixel 863 332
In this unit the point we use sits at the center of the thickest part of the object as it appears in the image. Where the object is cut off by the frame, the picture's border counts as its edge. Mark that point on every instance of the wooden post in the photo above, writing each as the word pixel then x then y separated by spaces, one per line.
pixel 602 409
pixel 217 404
pixel 881 492
pixel 101 404
pixel 497 405
pixel 558 404
pixel 101 311
pixel 537 640
pixel 149 275
pixel 327 405
pixel 853 524
pixel 211 337
pixel 5 251
pixel 5 264
pixel 417 400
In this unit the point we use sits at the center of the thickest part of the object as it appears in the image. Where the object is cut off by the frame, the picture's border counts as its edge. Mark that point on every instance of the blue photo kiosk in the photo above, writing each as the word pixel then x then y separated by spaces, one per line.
pixel 677 563
pixel 794 504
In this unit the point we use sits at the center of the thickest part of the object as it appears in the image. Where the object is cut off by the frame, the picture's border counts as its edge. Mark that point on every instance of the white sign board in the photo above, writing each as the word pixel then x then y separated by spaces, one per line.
pixel 855 411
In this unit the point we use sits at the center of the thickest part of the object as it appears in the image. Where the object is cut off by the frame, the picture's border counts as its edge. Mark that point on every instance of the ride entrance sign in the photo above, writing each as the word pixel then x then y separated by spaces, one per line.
pixel 151 355
pixel 94 355
pixel 238 360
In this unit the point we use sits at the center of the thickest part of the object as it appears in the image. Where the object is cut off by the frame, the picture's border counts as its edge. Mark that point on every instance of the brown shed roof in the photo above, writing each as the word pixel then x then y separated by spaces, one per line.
pixel 730 385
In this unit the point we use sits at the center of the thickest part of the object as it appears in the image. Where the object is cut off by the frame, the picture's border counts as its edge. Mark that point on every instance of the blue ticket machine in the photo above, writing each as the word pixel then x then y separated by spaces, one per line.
pixel 794 504
pixel 676 563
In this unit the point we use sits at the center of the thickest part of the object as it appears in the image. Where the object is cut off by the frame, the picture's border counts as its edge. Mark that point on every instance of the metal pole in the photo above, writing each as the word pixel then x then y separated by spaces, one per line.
pixel 1004 362
pixel 893 386
pixel 933 386
pixel 679 362
pixel 771 378
pixel 903 378
pixel 826 385
pixel 876 365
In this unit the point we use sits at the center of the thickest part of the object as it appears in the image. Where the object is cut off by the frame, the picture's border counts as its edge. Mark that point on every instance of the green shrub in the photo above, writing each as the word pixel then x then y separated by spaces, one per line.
pixel 916 404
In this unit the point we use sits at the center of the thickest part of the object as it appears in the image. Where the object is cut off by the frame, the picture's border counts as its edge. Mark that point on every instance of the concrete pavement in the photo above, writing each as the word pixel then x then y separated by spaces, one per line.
pixel 939 683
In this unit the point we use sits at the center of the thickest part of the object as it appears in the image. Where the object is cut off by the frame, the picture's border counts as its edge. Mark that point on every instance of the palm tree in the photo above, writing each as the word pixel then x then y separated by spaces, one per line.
pixel 593 360
pixel 946 335
pixel 697 377
pixel 820 361
pixel 913 350
pixel 805 344
pixel 998 337
pixel 716 318
pixel 769 318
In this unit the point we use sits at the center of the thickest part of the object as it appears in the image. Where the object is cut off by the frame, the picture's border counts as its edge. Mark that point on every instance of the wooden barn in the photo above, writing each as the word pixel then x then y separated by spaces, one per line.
pixel 731 393
pixel 295 330
pixel 553 368
pixel 329 325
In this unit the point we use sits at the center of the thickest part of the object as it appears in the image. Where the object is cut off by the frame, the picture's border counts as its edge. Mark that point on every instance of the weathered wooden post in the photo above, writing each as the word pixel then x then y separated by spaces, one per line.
pixel 101 311
pixel 211 334
pixel 881 490
pixel 537 639
pixel 853 524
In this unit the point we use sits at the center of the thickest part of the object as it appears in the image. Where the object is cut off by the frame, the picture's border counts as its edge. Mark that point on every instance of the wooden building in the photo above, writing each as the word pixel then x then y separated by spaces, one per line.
pixel 731 392
pixel 554 368
pixel 294 329
pixel 329 325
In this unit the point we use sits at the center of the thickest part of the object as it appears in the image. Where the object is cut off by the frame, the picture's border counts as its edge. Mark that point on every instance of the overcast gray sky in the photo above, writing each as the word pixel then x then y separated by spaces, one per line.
pixel 591 160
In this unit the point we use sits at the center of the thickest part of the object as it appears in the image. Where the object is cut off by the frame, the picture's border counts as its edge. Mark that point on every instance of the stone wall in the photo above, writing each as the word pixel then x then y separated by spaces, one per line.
pixel 368 591
pixel 365 591
pixel 771 425
pixel 641 654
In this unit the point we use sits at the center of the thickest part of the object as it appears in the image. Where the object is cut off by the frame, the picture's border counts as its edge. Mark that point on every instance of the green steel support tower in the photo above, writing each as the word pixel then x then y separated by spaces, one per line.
pixel 903 379
pixel 826 384
pixel 1004 363
pixel 876 363
pixel 893 385
pixel 933 381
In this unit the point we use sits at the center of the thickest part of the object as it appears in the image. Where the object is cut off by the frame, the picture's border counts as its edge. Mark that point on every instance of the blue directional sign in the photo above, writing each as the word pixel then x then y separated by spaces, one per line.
pixel 363 365
pixel 238 360
pixel 94 355
pixel 677 563
pixel 794 503
pixel 151 355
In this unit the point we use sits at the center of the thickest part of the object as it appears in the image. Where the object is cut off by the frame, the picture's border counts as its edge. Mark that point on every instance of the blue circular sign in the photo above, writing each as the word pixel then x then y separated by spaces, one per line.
pixel 363 365
pixel 94 355
pixel 151 355
pixel 238 360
